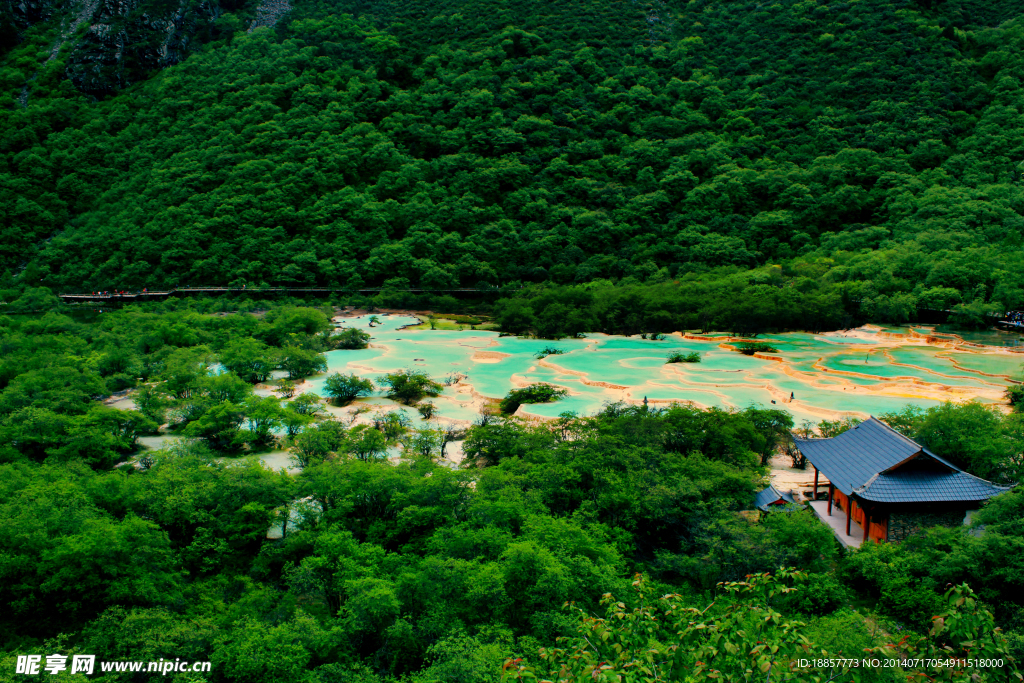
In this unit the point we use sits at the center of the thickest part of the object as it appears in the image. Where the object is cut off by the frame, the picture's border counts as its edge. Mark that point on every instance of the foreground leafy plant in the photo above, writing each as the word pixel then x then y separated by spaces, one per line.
pixel 662 639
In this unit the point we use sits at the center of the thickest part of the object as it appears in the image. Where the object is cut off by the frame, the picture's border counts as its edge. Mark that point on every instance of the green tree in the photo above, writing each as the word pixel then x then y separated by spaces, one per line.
pixel 344 389
pixel 409 386
pixel 300 362
pixel 250 359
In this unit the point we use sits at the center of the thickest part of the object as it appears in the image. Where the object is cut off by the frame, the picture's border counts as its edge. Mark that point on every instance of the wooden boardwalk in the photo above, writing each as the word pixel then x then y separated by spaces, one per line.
pixel 265 291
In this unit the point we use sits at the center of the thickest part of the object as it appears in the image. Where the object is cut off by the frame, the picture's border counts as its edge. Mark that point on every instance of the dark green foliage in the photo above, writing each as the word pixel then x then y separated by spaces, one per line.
pixel 1015 395
pixel 535 393
pixel 800 179
pixel 409 386
pixel 680 357
pixel 548 351
pixel 750 348
pixel 975 437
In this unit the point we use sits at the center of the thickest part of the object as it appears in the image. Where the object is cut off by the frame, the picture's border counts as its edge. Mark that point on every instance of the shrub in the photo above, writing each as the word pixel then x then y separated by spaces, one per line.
pixel 819 594
pixel 750 348
pixel 680 357
pixel 346 388
pixel 351 338
pixel 409 386
pixel 1015 395
pixel 535 393
pixel 549 351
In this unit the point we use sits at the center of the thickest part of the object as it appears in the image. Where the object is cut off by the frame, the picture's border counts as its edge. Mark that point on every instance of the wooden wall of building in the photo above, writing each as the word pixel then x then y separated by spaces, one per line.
pixel 879 530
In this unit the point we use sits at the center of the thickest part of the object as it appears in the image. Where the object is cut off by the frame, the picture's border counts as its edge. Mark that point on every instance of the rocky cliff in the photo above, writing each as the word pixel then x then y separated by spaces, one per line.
pixel 107 45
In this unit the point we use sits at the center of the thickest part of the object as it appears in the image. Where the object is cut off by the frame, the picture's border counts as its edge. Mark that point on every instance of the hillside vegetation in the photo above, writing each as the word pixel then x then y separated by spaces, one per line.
pixel 412 570
pixel 867 149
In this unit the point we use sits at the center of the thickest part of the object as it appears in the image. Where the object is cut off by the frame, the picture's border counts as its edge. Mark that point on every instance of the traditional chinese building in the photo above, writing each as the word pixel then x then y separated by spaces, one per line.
pixel 884 486
pixel 771 498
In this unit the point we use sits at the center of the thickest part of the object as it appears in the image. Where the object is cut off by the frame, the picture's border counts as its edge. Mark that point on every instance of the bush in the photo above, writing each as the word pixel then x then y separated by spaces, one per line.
pixel 346 388
pixel 549 351
pixel 301 362
pixel 819 594
pixel 680 357
pixel 409 386
pixel 465 319
pixel 351 338
pixel 750 348
pixel 535 393
pixel 1015 395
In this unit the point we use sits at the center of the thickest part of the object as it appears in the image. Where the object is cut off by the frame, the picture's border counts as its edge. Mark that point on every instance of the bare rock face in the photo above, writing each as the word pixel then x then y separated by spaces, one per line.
pixel 129 39
pixel 125 41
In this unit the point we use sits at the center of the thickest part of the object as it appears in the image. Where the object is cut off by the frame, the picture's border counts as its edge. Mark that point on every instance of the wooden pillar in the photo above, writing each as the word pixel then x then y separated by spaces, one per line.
pixel 849 512
pixel 867 524
pixel 815 483
pixel 830 499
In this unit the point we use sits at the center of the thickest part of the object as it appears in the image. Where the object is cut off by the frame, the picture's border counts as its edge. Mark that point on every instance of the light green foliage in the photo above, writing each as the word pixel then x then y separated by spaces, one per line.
pixel 680 357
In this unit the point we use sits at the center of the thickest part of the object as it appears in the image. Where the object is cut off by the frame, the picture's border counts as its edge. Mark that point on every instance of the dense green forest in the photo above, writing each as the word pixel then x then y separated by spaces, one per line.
pixel 638 166
pixel 867 150
pixel 413 570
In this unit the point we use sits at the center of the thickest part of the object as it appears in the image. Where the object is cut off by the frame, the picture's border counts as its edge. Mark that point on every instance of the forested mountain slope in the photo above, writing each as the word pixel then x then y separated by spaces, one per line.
pixel 870 147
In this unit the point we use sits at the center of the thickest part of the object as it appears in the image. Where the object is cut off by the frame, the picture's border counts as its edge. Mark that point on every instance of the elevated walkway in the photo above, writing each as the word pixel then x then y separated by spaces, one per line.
pixel 191 291
pixel 837 521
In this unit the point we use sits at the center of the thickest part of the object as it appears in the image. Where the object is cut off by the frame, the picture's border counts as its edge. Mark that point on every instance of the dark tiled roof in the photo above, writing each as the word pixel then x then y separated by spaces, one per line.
pixel 766 497
pixel 856 462
pixel 919 487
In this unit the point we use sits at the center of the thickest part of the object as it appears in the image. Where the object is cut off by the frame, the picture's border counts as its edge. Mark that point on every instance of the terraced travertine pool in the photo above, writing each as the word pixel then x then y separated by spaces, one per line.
pixel 866 371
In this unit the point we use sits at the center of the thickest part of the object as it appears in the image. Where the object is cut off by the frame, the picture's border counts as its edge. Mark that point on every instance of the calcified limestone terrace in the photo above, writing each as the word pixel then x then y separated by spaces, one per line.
pixel 869 370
